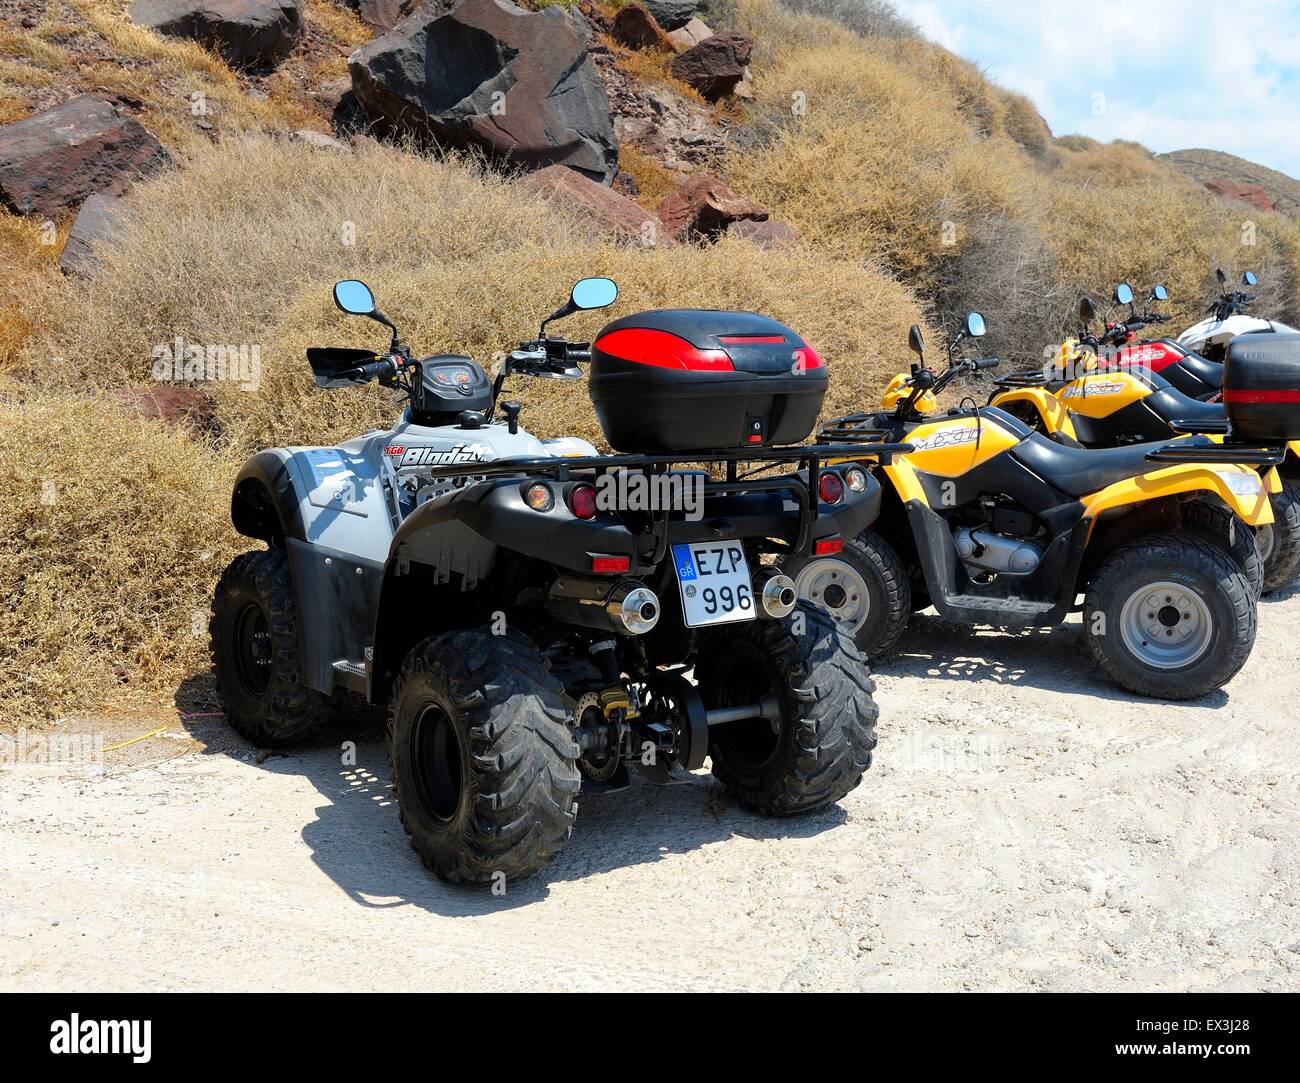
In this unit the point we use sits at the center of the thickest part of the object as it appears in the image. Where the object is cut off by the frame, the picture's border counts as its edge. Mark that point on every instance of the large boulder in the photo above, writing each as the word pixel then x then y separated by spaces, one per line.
pixel 704 207
pixel 487 74
pixel 383 15
pixel 597 209
pixel 636 28
pixel 245 32
pixel 53 160
pixel 670 14
pixel 690 35
pixel 92 225
pixel 716 66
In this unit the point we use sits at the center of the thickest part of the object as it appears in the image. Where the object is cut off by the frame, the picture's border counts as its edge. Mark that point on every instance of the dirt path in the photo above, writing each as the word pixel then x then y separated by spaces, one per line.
pixel 1025 826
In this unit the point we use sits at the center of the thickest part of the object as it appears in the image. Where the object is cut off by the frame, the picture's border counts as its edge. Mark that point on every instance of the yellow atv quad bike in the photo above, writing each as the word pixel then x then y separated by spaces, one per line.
pixel 993 523
pixel 1095 392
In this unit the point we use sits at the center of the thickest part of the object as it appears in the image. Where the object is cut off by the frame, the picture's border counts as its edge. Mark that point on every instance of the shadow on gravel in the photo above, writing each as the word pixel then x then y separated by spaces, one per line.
pixel 1055 659
pixel 358 841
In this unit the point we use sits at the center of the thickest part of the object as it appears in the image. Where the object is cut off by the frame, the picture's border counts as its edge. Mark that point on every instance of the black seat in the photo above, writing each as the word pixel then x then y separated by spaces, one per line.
pixel 1077 471
pixel 1172 405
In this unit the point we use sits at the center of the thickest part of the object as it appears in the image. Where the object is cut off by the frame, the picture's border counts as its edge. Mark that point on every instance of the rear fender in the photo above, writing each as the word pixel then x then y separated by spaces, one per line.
pixel 1238 487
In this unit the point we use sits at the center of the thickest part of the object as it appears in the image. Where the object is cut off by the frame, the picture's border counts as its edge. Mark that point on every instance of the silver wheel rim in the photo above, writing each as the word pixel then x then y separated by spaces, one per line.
pixel 1166 625
pixel 843 583
pixel 1265 539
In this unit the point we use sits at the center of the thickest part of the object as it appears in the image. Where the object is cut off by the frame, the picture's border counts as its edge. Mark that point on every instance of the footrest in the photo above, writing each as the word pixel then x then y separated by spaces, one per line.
pixel 1002 607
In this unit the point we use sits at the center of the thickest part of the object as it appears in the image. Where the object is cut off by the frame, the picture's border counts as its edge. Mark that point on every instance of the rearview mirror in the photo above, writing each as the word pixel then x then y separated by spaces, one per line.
pixel 1218 273
pixel 1159 293
pixel 354 297
pixel 1124 294
pixel 1087 310
pixel 594 293
pixel 975 326
pixel 1249 279
pixel 915 342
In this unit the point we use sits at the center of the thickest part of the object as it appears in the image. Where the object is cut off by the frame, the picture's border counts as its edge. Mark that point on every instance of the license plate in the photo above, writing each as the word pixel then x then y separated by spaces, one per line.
pixel 714 580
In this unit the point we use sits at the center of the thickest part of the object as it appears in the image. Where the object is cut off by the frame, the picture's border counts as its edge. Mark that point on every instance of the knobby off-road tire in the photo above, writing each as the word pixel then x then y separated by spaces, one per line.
pixel 1282 555
pixel 827 728
pixel 1217 524
pixel 864 588
pixel 1159 583
pixel 253 638
pixel 483 760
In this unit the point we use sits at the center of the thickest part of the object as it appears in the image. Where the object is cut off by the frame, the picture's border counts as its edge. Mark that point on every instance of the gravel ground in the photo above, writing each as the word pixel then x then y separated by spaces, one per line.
pixel 1026 826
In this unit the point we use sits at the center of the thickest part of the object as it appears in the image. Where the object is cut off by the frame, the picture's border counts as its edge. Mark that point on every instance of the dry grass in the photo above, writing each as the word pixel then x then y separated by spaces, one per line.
pixel 112 530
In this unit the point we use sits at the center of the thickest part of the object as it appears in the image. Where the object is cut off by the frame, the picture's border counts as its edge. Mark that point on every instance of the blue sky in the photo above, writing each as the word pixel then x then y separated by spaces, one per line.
pixel 1173 73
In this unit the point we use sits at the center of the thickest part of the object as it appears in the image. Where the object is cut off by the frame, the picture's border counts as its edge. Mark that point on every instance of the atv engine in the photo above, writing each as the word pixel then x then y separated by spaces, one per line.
pixel 1002 544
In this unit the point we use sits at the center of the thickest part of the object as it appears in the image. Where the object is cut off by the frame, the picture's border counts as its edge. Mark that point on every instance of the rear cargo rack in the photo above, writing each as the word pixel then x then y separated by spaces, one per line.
pixel 1025 378
pixel 1240 454
pixel 803 456
pixel 862 429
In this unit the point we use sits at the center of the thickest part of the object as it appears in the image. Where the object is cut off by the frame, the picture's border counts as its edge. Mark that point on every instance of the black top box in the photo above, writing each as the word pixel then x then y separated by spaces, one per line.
pixel 1261 387
pixel 703 380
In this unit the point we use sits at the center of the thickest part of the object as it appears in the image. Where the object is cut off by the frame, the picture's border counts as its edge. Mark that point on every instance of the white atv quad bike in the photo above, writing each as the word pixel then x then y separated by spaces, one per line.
pixel 1210 337
pixel 529 636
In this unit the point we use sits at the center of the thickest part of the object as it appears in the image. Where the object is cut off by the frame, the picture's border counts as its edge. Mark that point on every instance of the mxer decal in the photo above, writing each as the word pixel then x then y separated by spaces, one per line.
pixel 946 438
pixel 1093 388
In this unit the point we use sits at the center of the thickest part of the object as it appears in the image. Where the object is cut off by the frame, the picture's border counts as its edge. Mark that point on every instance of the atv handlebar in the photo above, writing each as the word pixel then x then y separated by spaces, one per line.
pixel 385 367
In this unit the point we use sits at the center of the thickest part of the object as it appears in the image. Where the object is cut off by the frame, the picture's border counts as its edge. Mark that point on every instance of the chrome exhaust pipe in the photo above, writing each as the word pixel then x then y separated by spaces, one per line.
pixel 627 607
pixel 775 593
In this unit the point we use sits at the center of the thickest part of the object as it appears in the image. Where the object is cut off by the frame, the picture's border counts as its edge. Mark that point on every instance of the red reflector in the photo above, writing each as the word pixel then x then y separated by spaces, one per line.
pixel 755 439
pixel 646 346
pixel 607 565
pixel 1282 394
pixel 826 546
pixel 807 358
pixel 582 501
pixel 745 340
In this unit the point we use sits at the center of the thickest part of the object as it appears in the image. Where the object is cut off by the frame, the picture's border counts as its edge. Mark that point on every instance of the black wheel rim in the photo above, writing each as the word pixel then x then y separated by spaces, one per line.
pixel 744 678
pixel 254 651
pixel 436 763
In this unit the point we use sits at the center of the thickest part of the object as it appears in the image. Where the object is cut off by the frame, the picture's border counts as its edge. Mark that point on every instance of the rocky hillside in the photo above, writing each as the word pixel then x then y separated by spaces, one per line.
pixel 182 180
pixel 1238 178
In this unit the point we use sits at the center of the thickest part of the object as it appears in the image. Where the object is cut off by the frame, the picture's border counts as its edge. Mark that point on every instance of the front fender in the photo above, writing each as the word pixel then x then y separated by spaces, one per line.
pixel 1239 487
pixel 1055 416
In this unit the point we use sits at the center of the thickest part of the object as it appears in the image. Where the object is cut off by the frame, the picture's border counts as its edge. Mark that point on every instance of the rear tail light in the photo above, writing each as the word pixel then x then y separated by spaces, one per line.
pixel 582 501
pixel 826 546
pixel 830 488
pixel 806 358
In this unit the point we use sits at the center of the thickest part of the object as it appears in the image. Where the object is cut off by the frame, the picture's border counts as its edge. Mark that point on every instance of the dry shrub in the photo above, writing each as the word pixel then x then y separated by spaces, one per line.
pixel 213 253
pixel 881 161
pixel 112 532
pixel 870 18
pixel 483 308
